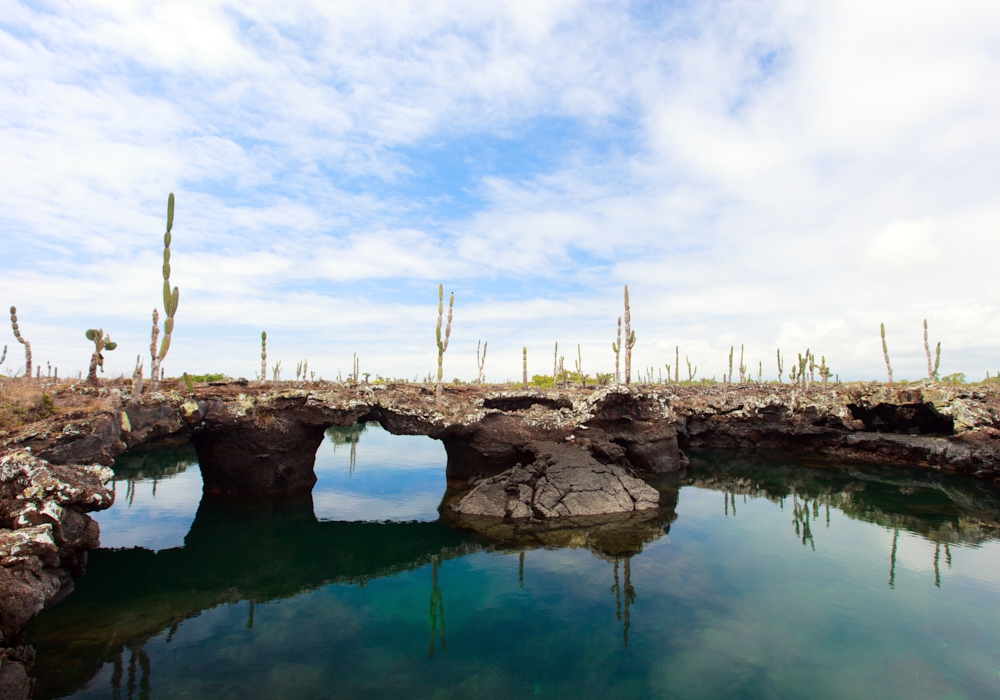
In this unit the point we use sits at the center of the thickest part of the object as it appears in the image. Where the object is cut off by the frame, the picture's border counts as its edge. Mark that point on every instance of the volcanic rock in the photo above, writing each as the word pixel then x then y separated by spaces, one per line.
pixel 564 480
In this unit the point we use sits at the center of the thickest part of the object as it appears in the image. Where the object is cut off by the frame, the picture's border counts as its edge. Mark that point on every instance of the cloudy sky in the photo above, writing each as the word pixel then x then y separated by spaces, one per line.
pixel 781 175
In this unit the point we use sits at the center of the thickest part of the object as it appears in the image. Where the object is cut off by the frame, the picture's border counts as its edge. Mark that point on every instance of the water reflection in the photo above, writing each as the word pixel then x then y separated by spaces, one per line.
pixel 256 554
pixel 940 508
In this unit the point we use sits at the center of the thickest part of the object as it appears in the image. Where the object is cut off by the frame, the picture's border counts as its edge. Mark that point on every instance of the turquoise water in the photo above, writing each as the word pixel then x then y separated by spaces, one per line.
pixel 759 578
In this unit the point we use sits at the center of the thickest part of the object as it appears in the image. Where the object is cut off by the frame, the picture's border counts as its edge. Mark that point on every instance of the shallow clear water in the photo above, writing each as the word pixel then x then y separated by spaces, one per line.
pixel 759 578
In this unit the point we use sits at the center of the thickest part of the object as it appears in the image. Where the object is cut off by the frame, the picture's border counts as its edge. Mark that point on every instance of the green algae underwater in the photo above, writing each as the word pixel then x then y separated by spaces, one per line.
pixel 759 577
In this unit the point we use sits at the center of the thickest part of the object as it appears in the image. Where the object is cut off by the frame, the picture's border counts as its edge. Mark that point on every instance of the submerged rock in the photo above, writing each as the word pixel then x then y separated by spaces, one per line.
pixel 563 481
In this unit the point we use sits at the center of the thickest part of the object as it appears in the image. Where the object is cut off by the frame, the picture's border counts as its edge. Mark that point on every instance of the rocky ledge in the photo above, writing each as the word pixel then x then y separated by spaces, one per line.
pixel 563 481
pixel 44 538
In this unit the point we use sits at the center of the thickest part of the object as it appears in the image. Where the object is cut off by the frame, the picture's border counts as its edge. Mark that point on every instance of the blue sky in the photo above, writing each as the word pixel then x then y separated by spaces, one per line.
pixel 782 175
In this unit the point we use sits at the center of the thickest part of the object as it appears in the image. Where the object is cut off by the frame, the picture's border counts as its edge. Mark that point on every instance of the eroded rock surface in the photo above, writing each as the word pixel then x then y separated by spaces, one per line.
pixel 44 537
pixel 564 480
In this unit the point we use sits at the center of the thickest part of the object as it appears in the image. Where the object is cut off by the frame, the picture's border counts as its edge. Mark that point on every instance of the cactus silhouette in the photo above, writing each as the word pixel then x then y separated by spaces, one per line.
pixel 170 299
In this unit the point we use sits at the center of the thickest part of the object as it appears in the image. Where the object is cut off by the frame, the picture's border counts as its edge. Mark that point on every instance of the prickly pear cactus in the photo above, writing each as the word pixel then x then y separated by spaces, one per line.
pixel 101 342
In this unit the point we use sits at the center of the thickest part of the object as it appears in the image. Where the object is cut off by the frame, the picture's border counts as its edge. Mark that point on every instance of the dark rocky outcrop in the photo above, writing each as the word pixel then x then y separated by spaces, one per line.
pixel 563 481
pixel 44 539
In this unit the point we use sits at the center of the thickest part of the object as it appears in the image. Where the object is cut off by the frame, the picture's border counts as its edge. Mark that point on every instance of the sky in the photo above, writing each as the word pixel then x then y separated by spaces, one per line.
pixel 778 175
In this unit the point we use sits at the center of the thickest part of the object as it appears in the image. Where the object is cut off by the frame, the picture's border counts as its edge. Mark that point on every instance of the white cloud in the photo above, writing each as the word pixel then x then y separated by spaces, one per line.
pixel 784 175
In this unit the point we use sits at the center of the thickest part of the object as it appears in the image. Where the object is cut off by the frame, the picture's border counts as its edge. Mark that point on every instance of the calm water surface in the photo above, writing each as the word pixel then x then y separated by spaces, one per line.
pixel 758 578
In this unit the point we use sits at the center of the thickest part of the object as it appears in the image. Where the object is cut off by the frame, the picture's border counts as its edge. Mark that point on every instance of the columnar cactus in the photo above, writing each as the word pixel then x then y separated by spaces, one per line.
pixel 442 345
pixel 616 347
pixel 22 341
pixel 579 366
pixel 730 377
pixel 170 299
pixel 932 372
pixel 524 367
pixel 481 361
pixel 677 364
pixel 885 353
pixel 824 371
pixel 691 372
pixel 743 369
pixel 263 356
pixel 101 342
pixel 781 367
pixel 629 340
pixel 555 366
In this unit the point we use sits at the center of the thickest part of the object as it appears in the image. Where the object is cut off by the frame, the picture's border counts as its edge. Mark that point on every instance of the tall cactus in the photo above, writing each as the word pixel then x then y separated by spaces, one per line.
pixel 579 366
pixel 932 371
pixel 629 340
pixel 803 363
pixel 263 356
pixel 885 353
pixel 442 345
pixel 555 366
pixel 617 348
pixel 677 364
pixel 170 299
pixel 101 342
pixel 781 367
pixel 730 378
pixel 743 369
pixel 524 367
pixel 481 361
pixel 22 341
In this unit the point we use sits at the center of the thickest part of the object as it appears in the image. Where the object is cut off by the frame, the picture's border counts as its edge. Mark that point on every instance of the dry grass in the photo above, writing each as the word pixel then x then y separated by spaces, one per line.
pixel 22 402
pixel 26 401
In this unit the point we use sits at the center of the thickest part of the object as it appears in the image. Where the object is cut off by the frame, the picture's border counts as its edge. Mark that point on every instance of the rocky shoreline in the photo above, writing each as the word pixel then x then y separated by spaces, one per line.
pixel 257 440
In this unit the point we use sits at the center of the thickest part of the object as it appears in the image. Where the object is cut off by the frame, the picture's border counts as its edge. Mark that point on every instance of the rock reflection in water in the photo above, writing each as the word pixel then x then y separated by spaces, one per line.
pixel 267 552
pixel 262 552
pixel 941 508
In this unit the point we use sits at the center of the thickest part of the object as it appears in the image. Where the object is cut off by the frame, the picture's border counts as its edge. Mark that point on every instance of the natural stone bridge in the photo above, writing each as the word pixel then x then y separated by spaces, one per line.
pixel 261 440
